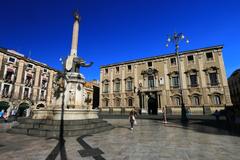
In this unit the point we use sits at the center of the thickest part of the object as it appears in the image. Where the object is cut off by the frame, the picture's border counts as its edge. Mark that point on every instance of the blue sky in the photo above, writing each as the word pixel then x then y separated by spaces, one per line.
pixel 118 30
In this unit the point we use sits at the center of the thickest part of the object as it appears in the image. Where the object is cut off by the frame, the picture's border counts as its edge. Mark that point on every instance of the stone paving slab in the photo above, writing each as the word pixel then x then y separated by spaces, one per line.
pixel 150 140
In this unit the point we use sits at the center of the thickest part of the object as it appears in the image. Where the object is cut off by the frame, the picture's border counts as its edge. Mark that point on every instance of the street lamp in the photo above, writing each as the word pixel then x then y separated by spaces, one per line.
pixel 61 85
pixel 176 38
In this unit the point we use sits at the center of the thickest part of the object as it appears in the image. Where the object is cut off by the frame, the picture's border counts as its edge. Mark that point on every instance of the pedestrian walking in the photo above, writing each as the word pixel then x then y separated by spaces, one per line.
pixel 1 113
pixel 14 114
pixel 132 118
pixel 5 116
pixel 164 110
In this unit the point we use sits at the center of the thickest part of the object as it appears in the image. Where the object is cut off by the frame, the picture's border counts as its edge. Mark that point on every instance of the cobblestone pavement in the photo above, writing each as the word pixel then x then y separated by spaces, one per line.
pixel 150 140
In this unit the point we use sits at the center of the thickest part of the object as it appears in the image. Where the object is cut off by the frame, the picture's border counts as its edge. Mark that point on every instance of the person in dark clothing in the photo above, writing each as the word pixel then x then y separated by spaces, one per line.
pixel 132 117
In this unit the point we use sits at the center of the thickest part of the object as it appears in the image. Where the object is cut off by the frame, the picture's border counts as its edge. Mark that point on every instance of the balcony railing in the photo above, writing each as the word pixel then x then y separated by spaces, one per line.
pixel 193 85
pixel 174 86
pixel 105 92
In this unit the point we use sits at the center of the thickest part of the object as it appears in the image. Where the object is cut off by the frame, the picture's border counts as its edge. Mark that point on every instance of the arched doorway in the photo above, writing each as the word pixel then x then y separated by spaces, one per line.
pixel 22 109
pixel 4 105
pixel 152 105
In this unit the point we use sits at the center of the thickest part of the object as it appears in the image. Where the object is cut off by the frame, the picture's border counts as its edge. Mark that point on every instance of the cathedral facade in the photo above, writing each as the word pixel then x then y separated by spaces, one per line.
pixel 153 83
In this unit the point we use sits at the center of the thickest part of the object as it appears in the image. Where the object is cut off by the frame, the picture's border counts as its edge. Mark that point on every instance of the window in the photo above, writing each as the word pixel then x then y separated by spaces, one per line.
pixel 129 68
pixel 44 84
pixel 28 81
pixel 42 95
pixel 129 85
pixel 213 79
pixel 149 64
pixel 216 99
pixel 195 100
pixel 5 91
pixel 29 66
pixel 193 80
pixel 106 71
pixel 26 93
pixel 117 86
pixel 177 101
pixel 117 69
pixel 173 61
pixel 190 59
pixel 106 102
pixel 150 82
pixel 11 59
pixel 45 70
pixel 105 88
pixel 175 81
pixel 118 102
pixel 209 56
pixel 9 74
pixel 130 102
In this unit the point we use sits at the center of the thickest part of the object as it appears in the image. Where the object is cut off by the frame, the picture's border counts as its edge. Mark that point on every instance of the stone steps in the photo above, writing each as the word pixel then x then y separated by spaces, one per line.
pixel 49 128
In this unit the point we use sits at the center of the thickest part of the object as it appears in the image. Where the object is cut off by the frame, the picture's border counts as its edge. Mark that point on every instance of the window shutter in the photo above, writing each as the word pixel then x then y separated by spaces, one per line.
pixel 2 68
pixel 20 92
pixel 23 74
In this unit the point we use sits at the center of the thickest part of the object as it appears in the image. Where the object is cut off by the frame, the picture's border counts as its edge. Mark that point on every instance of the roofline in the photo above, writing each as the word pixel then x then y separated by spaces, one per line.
pixel 234 73
pixel 5 51
pixel 164 55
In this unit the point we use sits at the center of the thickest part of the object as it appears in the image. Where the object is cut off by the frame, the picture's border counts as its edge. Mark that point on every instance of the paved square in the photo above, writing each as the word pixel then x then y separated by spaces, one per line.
pixel 150 140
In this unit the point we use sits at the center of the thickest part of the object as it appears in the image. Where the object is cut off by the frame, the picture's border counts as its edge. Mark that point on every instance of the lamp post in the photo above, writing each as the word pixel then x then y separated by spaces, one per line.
pixel 176 38
pixel 62 87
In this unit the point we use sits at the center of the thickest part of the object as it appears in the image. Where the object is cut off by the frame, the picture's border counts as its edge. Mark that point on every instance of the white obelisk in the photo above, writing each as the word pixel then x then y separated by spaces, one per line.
pixel 73 52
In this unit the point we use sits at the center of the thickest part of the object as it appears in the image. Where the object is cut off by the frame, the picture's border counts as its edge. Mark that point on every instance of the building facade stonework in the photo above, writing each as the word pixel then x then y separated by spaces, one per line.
pixel 23 80
pixel 234 86
pixel 153 83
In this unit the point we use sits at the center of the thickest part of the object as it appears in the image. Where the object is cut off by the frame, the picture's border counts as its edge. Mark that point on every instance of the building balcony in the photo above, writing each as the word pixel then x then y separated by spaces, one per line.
pixel 44 87
pixel 192 85
pixel 8 80
pixel 174 86
pixel 5 95
pixel 105 92
pixel 42 99
pixel 28 84
pixel 150 88
pixel 129 90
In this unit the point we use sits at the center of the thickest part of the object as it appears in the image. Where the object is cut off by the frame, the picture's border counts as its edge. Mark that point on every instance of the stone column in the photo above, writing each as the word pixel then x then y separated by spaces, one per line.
pixel 184 81
pixel 101 88
pixel 143 101
pixel 158 99
pixel 1 60
pixel 36 82
pixel 20 74
pixel 136 96
pixel 123 86
pixel 111 102
pixel 202 78
pixel 166 88
pixel 224 79
pixel 49 88
pixel 163 98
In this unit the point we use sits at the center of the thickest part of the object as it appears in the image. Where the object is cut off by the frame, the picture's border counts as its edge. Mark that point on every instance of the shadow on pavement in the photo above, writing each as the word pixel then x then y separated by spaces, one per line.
pixel 221 127
pixel 88 151
pixel 60 147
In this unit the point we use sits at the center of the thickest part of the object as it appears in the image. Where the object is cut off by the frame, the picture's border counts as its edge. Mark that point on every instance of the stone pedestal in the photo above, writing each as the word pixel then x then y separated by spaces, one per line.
pixel 68 114
pixel 75 107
